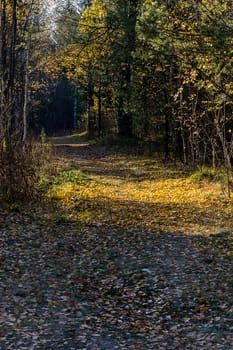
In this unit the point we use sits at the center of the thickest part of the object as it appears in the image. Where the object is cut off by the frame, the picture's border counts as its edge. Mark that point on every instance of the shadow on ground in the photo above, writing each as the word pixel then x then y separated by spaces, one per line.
pixel 111 287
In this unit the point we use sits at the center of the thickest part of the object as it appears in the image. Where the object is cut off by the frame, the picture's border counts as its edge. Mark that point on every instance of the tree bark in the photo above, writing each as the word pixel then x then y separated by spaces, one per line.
pixel 90 111
pixel 26 86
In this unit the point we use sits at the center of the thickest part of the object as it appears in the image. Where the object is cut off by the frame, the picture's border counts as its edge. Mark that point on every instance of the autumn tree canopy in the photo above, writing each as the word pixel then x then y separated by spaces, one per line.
pixel 157 71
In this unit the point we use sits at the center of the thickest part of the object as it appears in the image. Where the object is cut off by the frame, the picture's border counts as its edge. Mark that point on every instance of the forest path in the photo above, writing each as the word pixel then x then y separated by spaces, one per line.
pixel 159 195
pixel 127 261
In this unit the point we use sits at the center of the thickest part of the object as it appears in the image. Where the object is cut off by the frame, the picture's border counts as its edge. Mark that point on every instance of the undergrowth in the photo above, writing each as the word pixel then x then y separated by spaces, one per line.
pixel 59 177
pixel 218 176
pixel 21 168
pixel 72 176
pixel 204 174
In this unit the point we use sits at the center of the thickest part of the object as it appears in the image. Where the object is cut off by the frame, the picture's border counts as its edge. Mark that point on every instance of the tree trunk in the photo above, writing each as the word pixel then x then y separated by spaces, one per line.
pixel 99 111
pixel 90 109
pixel 3 44
pixel 12 48
pixel 25 104
pixel 75 111
pixel 184 146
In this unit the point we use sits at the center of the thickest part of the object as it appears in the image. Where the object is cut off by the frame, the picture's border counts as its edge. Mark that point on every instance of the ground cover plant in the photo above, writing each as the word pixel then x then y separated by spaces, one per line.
pixel 125 253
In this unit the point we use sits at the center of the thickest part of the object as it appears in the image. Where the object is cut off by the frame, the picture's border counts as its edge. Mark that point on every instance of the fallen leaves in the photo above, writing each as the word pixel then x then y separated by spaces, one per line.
pixel 162 199
pixel 115 266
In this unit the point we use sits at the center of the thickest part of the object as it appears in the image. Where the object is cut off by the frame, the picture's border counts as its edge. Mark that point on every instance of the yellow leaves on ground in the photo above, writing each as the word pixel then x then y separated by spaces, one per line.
pixel 145 194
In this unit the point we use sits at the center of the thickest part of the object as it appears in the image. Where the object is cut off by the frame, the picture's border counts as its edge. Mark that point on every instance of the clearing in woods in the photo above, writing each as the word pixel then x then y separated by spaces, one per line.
pixel 136 256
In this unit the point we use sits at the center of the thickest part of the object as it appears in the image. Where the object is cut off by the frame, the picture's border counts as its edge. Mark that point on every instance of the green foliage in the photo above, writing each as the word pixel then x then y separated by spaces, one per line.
pixel 204 174
pixel 44 183
pixel 72 176
pixel 207 175
pixel 43 136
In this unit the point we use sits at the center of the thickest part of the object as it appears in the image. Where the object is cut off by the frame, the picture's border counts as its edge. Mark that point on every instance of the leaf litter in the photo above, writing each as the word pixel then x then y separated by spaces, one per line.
pixel 136 258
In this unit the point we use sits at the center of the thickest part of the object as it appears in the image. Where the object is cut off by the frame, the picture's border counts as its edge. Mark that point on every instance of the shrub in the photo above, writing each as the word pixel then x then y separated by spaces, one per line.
pixel 204 174
pixel 21 166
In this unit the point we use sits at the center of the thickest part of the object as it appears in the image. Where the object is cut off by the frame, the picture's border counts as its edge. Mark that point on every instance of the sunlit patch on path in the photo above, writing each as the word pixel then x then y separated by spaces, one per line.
pixel 130 255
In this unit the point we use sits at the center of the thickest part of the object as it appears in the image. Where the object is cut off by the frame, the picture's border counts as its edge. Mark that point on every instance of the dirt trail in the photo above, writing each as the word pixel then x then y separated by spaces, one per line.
pixel 118 280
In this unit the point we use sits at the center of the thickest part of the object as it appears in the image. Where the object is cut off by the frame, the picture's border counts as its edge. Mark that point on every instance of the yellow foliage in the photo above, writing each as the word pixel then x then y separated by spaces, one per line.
pixel 94 15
